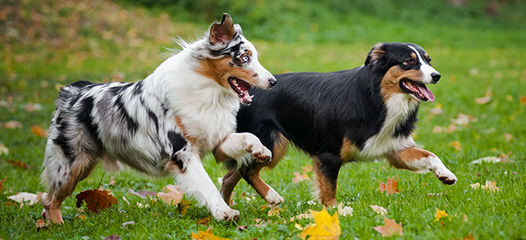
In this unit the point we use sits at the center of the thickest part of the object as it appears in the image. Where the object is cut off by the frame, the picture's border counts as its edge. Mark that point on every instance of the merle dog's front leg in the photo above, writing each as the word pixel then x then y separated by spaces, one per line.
pixel 243 147
pixel 193 180
pixel 422 161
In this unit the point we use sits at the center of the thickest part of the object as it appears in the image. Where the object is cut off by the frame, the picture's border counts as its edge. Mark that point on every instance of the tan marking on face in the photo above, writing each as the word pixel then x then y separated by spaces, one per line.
pixel 391 81
pixel 249 52
pixel 401 158
pixel 327 189
pixel 348 150
pixel 221 69
pixel 413 55
pixel 426 55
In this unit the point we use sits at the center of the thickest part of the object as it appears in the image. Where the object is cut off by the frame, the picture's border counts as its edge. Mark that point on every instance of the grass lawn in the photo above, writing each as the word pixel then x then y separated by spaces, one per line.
pixel 33 69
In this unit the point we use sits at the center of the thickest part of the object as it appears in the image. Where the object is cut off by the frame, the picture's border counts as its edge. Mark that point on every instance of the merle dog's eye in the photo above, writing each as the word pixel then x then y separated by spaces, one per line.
pixel 244 58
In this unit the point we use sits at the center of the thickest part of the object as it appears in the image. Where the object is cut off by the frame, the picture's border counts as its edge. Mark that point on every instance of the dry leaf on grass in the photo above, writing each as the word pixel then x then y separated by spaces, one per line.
pixel 113 237
pixel 344 210
pixel 523 100
pixel 242 228
pixel 12 124
pixel 206 235
pixel 390 228
pixel 96 199
pixel 19 164
pixel 22 197
pixel 439 214
pixel 490 185
pixel 39 131
pixel 172 195
pixel 183 206
pixel 143 194
pixel 299 177
pixel 456 145
pixel 3 149
pixel 325 226
pixel 508 136
pixel 203 221
pixel 124 224
pixel 485 99
pixel 390 187
pixel 378 209
pixel 41 223
pixel 273 210
pixel 112 181
pixel 503 158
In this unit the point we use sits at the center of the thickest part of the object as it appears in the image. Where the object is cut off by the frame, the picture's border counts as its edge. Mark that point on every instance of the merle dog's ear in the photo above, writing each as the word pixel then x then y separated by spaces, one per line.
pixel 222 32
pixel 376 53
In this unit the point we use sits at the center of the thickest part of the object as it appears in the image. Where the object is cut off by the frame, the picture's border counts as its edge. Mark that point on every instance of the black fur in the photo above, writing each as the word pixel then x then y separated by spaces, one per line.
pixel 130 122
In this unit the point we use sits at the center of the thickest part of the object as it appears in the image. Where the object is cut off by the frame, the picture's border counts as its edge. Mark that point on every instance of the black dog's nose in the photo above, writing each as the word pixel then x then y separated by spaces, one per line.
pixel 272 81
pixel 435 76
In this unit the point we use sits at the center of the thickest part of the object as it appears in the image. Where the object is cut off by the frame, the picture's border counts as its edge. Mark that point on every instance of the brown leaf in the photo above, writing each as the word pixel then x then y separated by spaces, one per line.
pixel 183 206
pixel 203 221
pixel 12 124
pixel 143 194
pixel 485 99
pixel 113 237
pixel 41 223
pixel 242 228
pixel 206 235
pixel 39 131
pixel 22 197
pixel 19 164
pixel 390 228
pixel 523 100
pixel 390 187
pixel 2 182
pixel 96 199
pixel 172 195
pixel 299 177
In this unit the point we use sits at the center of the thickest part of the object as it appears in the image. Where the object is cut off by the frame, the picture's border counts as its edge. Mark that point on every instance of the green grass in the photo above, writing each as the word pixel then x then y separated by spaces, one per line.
pixel 32 69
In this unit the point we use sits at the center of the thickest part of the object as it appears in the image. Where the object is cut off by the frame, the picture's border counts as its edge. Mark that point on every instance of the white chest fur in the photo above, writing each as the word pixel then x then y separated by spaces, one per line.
pixel 399 107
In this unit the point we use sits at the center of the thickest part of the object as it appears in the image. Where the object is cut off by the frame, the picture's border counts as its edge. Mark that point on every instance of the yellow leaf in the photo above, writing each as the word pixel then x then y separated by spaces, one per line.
pixel 456 145
pixel 440 214
pixel 183 206
pixel 273 211
pixel 490 185
pixel 206 235
pixel 390 228
pixel 39 131
pixel 325 226
pixel 523 100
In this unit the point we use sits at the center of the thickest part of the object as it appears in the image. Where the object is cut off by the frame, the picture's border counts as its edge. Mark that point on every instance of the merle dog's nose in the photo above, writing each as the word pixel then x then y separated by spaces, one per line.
pixel 435 76
pixel 272 81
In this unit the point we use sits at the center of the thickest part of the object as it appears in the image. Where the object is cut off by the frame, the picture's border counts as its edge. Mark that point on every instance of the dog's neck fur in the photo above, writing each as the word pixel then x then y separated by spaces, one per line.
pixel 206 109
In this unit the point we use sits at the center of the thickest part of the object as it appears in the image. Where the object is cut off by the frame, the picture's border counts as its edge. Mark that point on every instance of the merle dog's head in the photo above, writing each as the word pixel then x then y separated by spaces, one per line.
pixel 232 61
pixel 406 69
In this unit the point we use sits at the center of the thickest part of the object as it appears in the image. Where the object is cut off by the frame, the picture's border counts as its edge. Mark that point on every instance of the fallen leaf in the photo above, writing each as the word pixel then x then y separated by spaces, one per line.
pixel 437 129
pixel 437 110
pixel 22 197
pixel 325 226
pixel 19 164
pixel 31 107
pixel 439 214
pixel 96 199
pixel 39 131
pixel 464 217
pixel 508 136
pixel 390 228
pixel 475 185
pixel 242 228
pixel 499 159
pixel 113 237
pixel 463 119
pixel 172 196
pixel 299 227
pixel 41 223
pixel 112 181
pixel 523 100
pixel 274 211
pixel 468 237
pixel 378 209
pixel 490 185
pixel 143 194
pixel 183 206
pixel 299 177
pixel 124 224
pixel 301 216
pixel 12 124
pixel 344 210
pixel 306 169
pixel 203 221
pixel 2 182
pixel 3 149
pixel 206 235
pixel 485 99
pixel 456 145
pixel 82 217
pixel 390 187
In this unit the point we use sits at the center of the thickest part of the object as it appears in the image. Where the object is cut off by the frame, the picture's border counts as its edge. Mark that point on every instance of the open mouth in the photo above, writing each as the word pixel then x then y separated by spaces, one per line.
pixel 241 88
pixel 417 90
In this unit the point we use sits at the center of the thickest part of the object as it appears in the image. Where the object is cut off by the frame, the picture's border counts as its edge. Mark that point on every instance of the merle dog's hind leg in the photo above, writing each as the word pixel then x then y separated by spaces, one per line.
pixel 327 166
pixel 62 173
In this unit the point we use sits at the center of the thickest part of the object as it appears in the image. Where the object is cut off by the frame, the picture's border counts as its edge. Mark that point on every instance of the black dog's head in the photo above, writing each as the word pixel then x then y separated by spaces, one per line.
pixel 405 68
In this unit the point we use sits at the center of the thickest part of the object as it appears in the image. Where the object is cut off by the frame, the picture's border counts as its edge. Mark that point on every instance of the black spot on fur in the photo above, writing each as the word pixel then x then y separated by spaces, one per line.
pixel 59 168
pixel 165 108
pixel 80 84
pixel 137 90
pixel 118 89
pixel 130 123
pixel 84 117
pixel 154 119
pixel 405 128
pixel 177 141
pixel 59 183
pixel 64 142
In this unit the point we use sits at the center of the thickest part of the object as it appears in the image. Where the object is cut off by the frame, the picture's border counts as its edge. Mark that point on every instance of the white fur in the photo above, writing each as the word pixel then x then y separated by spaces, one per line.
pixel 273 197
pixel 399 106
pixel 425 68
pixel 434 164
pixel 236 145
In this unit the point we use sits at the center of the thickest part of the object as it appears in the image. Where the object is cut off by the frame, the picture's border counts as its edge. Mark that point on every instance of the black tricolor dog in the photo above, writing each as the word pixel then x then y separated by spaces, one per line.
pixel 363 113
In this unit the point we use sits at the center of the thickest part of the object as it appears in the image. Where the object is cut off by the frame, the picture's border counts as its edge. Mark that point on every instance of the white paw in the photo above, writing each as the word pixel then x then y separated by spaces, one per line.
pixel 261 153
pixel 446 176
pixel 273 197
pixel 226 214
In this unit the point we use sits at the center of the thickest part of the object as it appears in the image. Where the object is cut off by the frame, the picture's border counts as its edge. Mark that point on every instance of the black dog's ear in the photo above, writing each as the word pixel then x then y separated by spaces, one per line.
pixel 376 53
pixel 222 32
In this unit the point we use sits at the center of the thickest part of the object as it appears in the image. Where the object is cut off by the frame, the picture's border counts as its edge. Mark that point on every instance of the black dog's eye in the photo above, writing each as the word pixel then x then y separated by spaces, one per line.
pixel 409 61
pixel 244 58
pixel 428 59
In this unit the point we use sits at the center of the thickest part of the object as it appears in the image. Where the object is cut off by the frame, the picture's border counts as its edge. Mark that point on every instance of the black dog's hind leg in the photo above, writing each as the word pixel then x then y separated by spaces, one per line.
pixel 327 166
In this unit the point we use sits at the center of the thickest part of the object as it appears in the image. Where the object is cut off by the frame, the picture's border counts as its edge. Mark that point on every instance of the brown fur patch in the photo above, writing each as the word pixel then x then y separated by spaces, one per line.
pixel 391 81
pixel 377 52
pixel 219 155
pixel 401 158
pixel 413 55
pixel 253 178
pixel 221 69
pixel 230 181
pixel 326 188
pixel 348 150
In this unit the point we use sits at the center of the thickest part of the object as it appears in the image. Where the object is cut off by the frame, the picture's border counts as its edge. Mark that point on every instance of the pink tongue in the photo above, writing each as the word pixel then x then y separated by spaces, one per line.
pixel 427 93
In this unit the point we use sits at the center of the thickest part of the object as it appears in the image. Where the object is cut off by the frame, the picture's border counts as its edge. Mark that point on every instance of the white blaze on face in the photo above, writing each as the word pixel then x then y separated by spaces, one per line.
pixel 425 68
pixel 263 75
